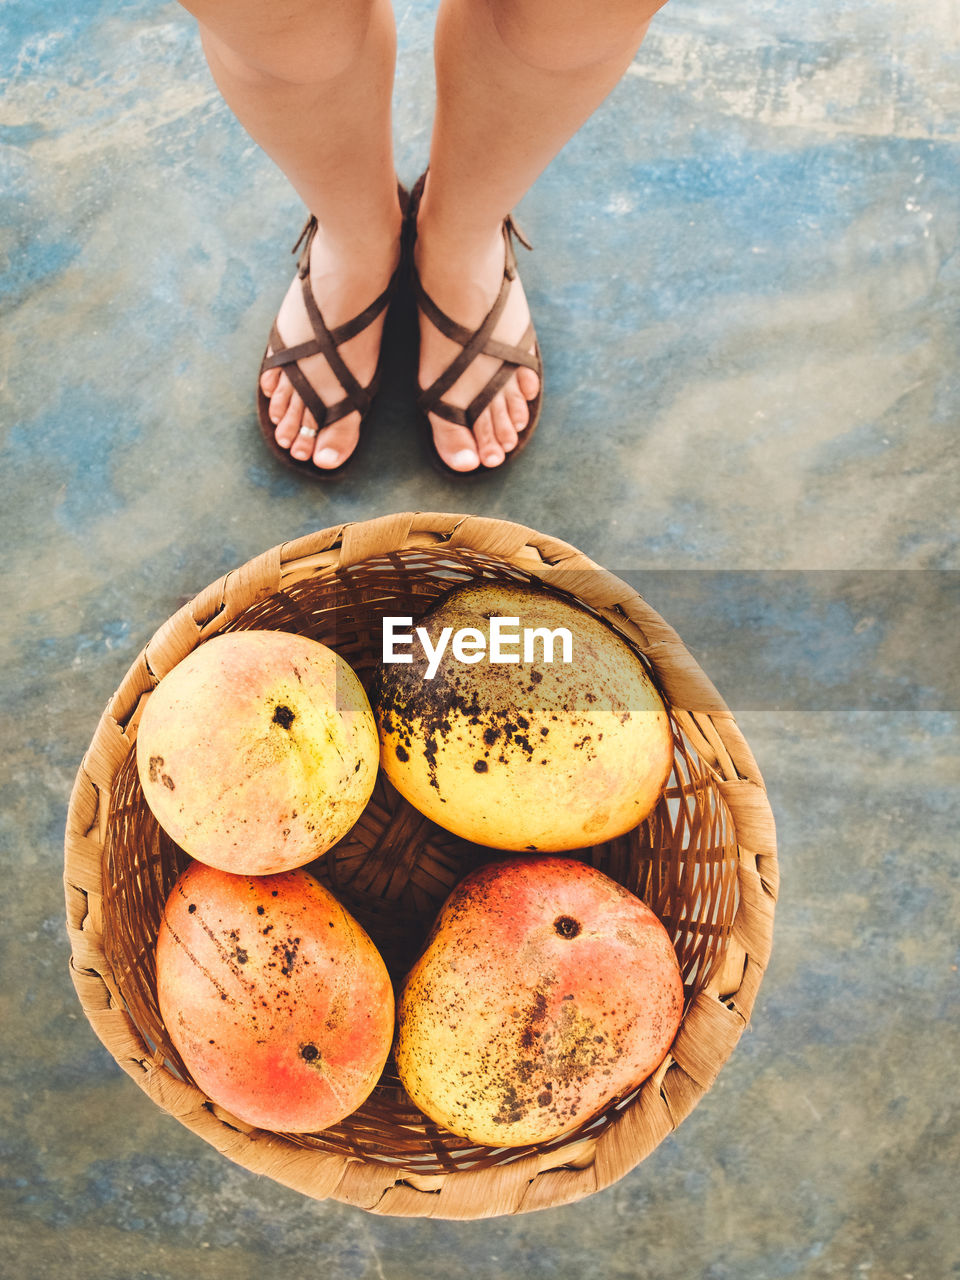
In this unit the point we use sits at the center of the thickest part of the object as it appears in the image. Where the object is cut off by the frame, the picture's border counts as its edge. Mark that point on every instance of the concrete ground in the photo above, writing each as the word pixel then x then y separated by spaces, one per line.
pixel 746 287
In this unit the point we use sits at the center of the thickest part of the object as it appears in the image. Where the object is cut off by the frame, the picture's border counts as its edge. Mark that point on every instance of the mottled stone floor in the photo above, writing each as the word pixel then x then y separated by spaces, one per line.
pixel 746 287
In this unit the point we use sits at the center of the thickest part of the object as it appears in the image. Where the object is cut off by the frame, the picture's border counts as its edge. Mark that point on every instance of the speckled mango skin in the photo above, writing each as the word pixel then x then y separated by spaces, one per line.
pixel 275 998
pixel 533 756
pixel 258 751
pixel 545 992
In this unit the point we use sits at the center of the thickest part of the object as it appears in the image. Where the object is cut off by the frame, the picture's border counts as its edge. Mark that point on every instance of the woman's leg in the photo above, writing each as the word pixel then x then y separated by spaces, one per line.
pixel 311 81
pixel 515 80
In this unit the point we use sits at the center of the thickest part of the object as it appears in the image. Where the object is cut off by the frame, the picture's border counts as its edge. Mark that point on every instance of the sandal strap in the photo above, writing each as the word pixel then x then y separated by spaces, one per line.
pixel 476 342
pixel 449 327
pixel 328 348
pixel 467 417
pixel 499 379
pixel 324 415
pixel 326 342
pixel 469 349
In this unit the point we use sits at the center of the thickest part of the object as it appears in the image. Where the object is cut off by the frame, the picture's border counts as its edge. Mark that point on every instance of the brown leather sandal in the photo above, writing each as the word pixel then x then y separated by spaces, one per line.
pixel 324 342
pixel 474 343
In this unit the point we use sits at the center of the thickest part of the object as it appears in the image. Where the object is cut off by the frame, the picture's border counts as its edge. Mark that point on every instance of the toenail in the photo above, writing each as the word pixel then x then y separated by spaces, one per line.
pixel 465 458
pixel 327 458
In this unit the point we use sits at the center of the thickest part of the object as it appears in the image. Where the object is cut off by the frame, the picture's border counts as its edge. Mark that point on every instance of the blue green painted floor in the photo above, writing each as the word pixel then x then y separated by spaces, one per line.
pixel 746 288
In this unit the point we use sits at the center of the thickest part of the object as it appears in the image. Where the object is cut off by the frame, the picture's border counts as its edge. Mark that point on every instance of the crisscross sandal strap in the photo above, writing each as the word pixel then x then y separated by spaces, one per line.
pixel 326 342
pixel 474 343
pixel 470 348
pixel 501 377
pixel 323 414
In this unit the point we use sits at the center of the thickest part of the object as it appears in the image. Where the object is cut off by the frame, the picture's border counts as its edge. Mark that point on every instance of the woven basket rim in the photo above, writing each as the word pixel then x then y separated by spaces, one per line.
pixel 715 1018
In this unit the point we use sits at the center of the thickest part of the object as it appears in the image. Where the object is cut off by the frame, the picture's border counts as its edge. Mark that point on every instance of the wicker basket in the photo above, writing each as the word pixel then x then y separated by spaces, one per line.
pixel 705 861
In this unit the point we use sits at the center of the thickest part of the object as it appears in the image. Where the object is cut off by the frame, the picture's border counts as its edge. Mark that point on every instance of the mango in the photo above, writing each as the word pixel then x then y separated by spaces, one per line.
pixel 275 998
pixel 258 751
pixel 545 992
pixel 535 755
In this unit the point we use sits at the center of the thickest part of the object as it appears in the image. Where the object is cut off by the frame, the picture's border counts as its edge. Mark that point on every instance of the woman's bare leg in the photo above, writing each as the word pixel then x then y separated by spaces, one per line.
pixel 311 81
pixel 515 80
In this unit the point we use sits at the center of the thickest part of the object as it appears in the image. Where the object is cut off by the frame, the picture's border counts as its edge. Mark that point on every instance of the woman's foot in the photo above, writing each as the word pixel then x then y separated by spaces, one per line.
pixel 464 279
pixel 345 279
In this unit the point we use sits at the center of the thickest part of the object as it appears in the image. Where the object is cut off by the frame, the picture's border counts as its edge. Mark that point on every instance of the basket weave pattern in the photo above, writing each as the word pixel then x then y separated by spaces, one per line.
pixel 705 861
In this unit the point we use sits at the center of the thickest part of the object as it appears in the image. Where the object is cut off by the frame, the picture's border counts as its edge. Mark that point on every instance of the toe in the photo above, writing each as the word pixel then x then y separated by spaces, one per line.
pixel 518 409
pixel 503 427
pixel 491 452
pixel 289 424
pixel 301 446
pixel 304 441
pixel 528 382
pixel 279 404
pixel 455 445
pixel 268 381
pixel 336 443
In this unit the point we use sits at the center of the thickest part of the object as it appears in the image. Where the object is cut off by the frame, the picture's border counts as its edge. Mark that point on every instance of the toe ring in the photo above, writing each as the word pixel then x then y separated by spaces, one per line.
pixel 310 432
